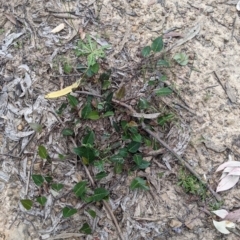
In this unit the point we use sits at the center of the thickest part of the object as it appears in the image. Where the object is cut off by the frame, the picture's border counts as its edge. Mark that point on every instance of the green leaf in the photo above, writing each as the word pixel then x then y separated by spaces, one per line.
pixel 163 91
pixel 61 109
pixel 81 68
pixel 89 138
pixel 163 78
pixel 61 156
pixel 101 175
pixel 42 200
pixel 138 159
pixel 68 212
pixel 163 63
pixel 117 158
pixel 42 152
pixel 142 164
pixel 146 51
pixel 136 137
pixel 86 152
pixel 80 189
pixel 86 110
pixel 108 114
pixel 48 179
pixel 116 126
pixel 181 58
pixel 57 186
pixel 99 165
pixel 27 204
pixel 118 167
pixel 157 44
pixel 90 73
pixel 94 68
pixel 99 194
pixel 164 119
pixel 92 213
pixel 36 127
pixel 109 97
pixel 123 152
pixel 72 100
pixel 86 229
pixel 133 146
pixel 93 115
pixel 143 104
pixel 106 84
pixel 138 183
pixel 67 68
pixel 67 132
pixel 38 179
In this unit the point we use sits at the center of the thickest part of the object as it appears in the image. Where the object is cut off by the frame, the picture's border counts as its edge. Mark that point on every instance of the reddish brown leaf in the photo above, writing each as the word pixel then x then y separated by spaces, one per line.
pixel 233 216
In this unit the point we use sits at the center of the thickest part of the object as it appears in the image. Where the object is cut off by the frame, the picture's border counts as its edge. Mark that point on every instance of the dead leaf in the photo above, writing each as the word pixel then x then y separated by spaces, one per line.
pixel 228 164
pixel 59 28
pixel 64 91
pixel 81 33
pixel 11 18
pixel 172 34
pixel 227 182
pixel 191 34
pixel 146 116
pixel 121 93
pixel 222 213
pixel 221 226
pixel 238 6
pixel 235 171
pixel 233 216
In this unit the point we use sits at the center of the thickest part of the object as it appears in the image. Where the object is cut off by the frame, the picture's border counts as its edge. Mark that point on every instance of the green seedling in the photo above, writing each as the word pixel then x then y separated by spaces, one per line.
pixel 191 184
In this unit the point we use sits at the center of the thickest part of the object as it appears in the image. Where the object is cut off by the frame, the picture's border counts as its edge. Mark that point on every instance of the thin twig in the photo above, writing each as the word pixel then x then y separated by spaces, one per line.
pixel 233 27
pixel 156 152
pixel 27 183
pixel 9 155
pixel 30 139
pixel 220 82
pixel 13 221
pixel 184 107
pixel 183 162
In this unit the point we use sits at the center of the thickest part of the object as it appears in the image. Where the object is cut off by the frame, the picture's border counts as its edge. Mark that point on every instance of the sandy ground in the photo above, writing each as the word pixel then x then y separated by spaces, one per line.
pixel 209 84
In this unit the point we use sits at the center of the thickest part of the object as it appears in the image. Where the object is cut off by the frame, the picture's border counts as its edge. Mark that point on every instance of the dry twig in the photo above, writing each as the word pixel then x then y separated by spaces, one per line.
pixel 183 162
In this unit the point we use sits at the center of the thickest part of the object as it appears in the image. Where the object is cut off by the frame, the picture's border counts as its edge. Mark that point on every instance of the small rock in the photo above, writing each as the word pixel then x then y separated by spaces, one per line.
pixel 175 223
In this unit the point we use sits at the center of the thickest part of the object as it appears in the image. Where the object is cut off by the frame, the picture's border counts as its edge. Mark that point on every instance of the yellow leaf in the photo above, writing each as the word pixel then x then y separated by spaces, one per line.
pixel 64 91
pixel 85 160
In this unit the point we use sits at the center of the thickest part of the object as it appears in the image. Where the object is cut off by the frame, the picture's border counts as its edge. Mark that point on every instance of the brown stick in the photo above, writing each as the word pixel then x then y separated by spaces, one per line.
pixel 182 161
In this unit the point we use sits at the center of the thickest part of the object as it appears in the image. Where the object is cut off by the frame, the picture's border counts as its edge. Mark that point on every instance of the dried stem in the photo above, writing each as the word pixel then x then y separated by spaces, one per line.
pixel 182 161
